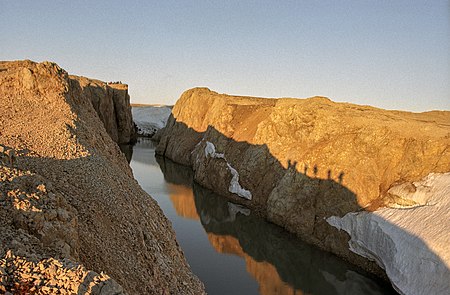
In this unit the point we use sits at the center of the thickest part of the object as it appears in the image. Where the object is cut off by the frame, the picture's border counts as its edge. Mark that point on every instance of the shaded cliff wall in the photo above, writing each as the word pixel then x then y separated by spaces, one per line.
pixel 279 262
pixel 70 196
pixel 303 160
pixel 112 104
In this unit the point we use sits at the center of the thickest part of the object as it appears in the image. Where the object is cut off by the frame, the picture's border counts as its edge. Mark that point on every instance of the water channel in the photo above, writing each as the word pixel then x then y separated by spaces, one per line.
pixel 233 251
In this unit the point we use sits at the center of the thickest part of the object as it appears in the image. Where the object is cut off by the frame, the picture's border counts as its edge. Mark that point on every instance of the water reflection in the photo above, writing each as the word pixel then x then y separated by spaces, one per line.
pixel 281 263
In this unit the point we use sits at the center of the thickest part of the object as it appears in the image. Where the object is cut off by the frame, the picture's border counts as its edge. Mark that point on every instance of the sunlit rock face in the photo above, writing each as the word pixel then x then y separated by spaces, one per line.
pixel 365 149
pixel 304 160
pixel 73 220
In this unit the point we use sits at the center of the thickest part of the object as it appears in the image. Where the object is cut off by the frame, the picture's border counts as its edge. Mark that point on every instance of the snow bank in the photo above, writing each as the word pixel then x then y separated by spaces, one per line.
pixel 235 187
pixel 150 119
pixel 412 245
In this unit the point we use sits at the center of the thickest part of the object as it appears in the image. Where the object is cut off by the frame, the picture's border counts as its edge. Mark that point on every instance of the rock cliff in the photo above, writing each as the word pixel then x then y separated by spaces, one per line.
pixel 73 219
pixel 301 161
pixel 280 263
pixel 112 104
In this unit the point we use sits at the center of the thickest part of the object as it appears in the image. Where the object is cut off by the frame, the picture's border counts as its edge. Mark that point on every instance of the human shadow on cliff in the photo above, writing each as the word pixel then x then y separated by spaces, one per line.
pixel 302 200
pixel 311 199
pixel 299 264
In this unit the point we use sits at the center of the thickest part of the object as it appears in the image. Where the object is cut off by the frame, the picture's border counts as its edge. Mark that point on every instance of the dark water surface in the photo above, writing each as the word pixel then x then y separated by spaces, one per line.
pixel 235 252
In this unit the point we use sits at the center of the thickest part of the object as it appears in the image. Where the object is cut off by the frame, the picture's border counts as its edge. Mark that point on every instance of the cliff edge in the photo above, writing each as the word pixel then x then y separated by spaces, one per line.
pixel 112 104
pixel 72 218
pixel 303 162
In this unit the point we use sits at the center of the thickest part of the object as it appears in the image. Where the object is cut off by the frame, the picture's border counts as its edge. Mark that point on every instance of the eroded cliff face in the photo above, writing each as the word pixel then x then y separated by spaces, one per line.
pixel 72 217
pixel 112 104
pixel 300 161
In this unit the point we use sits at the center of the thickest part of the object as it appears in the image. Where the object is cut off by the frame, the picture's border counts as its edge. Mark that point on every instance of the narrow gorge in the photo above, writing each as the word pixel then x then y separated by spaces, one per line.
pixel 371 186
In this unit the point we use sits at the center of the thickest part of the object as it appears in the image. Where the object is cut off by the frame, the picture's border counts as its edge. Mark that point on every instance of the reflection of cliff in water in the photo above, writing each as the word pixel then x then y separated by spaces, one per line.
pixel 143 152
pixel 183 201
pixel 265 273
pixel 280 262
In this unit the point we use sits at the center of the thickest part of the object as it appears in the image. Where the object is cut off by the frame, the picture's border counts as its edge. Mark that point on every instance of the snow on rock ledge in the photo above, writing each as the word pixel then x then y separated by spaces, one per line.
pixel 235 187
pixel 150 119
pixel 412 245
pixel 210 151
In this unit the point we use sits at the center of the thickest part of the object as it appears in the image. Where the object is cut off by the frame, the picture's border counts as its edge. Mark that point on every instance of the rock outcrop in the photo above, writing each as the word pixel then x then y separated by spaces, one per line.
pixel 112 104
pixel 73 219
pixel 301 161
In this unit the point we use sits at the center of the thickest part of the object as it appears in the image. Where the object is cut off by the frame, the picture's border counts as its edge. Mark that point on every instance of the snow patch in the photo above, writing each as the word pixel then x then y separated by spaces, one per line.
pixel 210 151
pixel 412 245
pixel 235 187
pixel 417 193
pixel 150 119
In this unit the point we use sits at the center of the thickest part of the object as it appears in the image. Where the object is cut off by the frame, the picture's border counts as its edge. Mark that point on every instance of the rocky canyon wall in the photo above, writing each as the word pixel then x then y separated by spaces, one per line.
pixel 112 104
pixel 73 220
pixel 301 161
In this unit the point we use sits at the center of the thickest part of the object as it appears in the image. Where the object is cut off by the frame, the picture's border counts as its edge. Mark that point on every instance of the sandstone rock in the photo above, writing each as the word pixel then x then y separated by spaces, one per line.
pixel 304 160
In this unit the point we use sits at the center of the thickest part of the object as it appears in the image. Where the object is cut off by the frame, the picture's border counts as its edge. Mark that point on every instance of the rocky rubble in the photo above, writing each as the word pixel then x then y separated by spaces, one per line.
pixel 40 242
pixel 19 275
pixel 70 209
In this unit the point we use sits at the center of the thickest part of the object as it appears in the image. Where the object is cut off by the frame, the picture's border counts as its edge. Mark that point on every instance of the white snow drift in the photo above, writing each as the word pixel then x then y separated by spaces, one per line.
pixel 235 187
pixel 411 244
pixel 150 119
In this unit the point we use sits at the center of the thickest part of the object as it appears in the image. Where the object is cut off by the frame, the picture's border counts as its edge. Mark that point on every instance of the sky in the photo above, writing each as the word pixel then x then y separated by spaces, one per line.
pixel 391 54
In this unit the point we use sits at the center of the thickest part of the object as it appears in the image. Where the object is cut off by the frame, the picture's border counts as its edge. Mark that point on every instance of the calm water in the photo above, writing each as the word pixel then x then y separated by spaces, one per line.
pixel 234 252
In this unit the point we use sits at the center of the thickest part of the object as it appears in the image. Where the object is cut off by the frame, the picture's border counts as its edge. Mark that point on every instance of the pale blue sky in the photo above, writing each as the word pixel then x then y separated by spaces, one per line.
pixel 390 54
